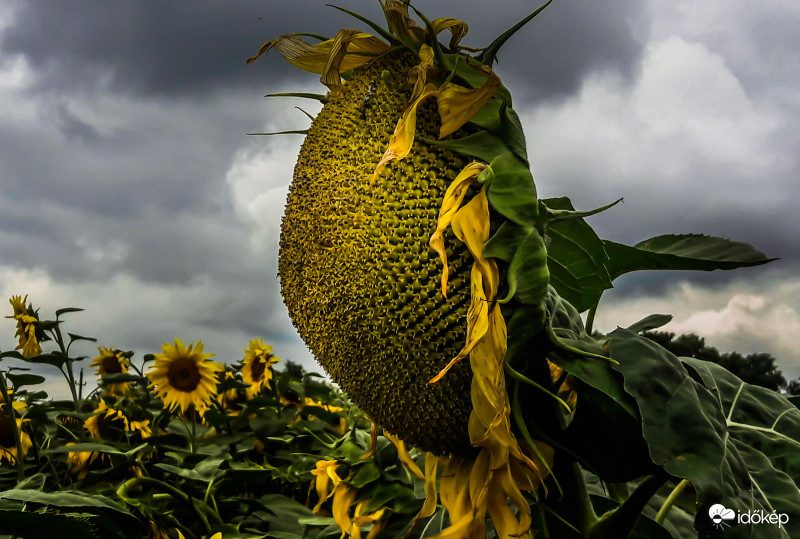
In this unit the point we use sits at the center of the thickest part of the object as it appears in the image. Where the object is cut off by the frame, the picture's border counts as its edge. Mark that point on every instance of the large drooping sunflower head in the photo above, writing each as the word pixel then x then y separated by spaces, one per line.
pixel 411 218
pixel 183 377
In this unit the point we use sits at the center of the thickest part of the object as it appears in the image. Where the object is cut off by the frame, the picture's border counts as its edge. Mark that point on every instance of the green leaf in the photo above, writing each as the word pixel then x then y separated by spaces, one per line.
pixel 366 474
pixel 316 97
pixel 512 191
pixel 20 380
pixel 76 501
pixel 482 145
pixel 577 259
pixel 682 252
pixel 82 447
pixel 738 444
pixel 36 524
pixel 66 310
pixel 650 322
pixel 55 359
pixel 489 54
pixel 119 377
pixel 568 326
pixel 528 274
pixel 75 337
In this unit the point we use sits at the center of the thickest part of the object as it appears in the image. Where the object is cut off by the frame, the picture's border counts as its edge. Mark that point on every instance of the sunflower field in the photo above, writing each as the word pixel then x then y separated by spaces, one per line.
pixel 452 309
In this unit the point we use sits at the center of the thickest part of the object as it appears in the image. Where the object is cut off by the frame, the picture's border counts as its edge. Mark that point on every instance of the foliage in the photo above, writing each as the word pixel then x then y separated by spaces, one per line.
pixel 759 368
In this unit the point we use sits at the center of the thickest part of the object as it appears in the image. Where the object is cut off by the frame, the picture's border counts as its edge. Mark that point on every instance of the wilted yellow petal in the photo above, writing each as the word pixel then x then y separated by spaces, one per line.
pixel 457 104
pixel 471 225
pixel 348 50
pixel 399 21
pixel 343 498
pixel 457 28
pixel 403 455
pixel 403 137
pixel 418 76
pixel 452 202
pixel 373 442
pixel 325 472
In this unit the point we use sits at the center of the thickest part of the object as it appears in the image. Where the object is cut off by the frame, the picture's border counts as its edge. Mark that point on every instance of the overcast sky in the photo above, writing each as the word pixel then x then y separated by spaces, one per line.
pixel 128 185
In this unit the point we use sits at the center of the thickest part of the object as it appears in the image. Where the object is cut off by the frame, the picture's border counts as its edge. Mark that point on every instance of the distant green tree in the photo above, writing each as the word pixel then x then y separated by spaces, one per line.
pixel 759 369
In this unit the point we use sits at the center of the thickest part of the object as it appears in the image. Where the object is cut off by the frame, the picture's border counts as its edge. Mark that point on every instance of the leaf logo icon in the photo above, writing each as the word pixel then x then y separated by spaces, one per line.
pixel 719 514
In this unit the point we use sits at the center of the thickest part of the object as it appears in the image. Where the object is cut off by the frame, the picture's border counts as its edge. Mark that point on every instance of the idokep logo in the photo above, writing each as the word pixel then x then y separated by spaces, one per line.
pixel 723 517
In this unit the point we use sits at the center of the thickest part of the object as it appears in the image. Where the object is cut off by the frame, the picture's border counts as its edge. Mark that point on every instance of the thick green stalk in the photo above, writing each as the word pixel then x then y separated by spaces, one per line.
pixel 621 521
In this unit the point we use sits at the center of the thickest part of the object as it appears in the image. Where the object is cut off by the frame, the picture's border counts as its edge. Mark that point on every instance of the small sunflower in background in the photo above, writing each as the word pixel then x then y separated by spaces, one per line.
pixel 183 377
pixel 26 327
pixel 112 361
pixel 8 447
pixel 256 365
pixel 107 417
pixel 232 395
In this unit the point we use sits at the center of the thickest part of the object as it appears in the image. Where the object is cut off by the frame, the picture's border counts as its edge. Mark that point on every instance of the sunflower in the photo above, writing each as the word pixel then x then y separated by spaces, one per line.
pixel 107 417
pixel 256 365
pixel 26 327
pixel 184 377
pixel 232 398
pixel 412 232
pixel 112 361
pixel 8 446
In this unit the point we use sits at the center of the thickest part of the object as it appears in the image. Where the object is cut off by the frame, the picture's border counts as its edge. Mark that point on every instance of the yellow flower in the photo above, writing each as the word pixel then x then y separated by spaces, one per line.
pixel 106 417
pixel 80 461
pixel 183 377
pixel 325 472
pixel 8 447
pixel 111 361
pixel 256 365
pixel 26 327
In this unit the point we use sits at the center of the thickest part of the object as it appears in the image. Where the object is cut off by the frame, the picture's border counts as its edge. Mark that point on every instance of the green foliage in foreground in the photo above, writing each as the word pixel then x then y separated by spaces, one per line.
pixel 656 442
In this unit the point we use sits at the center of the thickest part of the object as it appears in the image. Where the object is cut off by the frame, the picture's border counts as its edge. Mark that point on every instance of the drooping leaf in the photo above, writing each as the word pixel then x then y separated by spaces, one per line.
pixel 738 444
pixel 682 252
pixel 20 380
pixel 512 191
pixel 71 501
pixel 577 259
pixel 66 310
pixel 650 322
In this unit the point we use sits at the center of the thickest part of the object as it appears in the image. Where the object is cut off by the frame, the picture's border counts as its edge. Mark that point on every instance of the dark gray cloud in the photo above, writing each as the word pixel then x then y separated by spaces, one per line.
pixel 129 186
pixel 191 48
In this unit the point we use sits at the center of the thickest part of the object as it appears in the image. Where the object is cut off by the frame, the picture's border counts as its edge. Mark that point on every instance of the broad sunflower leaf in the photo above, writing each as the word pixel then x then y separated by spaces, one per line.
pixel 19 380
pixel 576 258
pixel 71 501
pixel 512 191
pixel 738 444
pixel 35 524
pixel 681 252
pixel 83 447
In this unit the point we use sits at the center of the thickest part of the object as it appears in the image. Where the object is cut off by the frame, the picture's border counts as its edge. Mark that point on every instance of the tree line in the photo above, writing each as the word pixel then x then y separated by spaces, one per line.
pixel 759 368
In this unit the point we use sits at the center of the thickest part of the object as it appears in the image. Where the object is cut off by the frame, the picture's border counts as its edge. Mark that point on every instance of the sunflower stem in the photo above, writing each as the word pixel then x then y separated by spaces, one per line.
pixel 199 507
pixel 193 442
pixel 670 501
